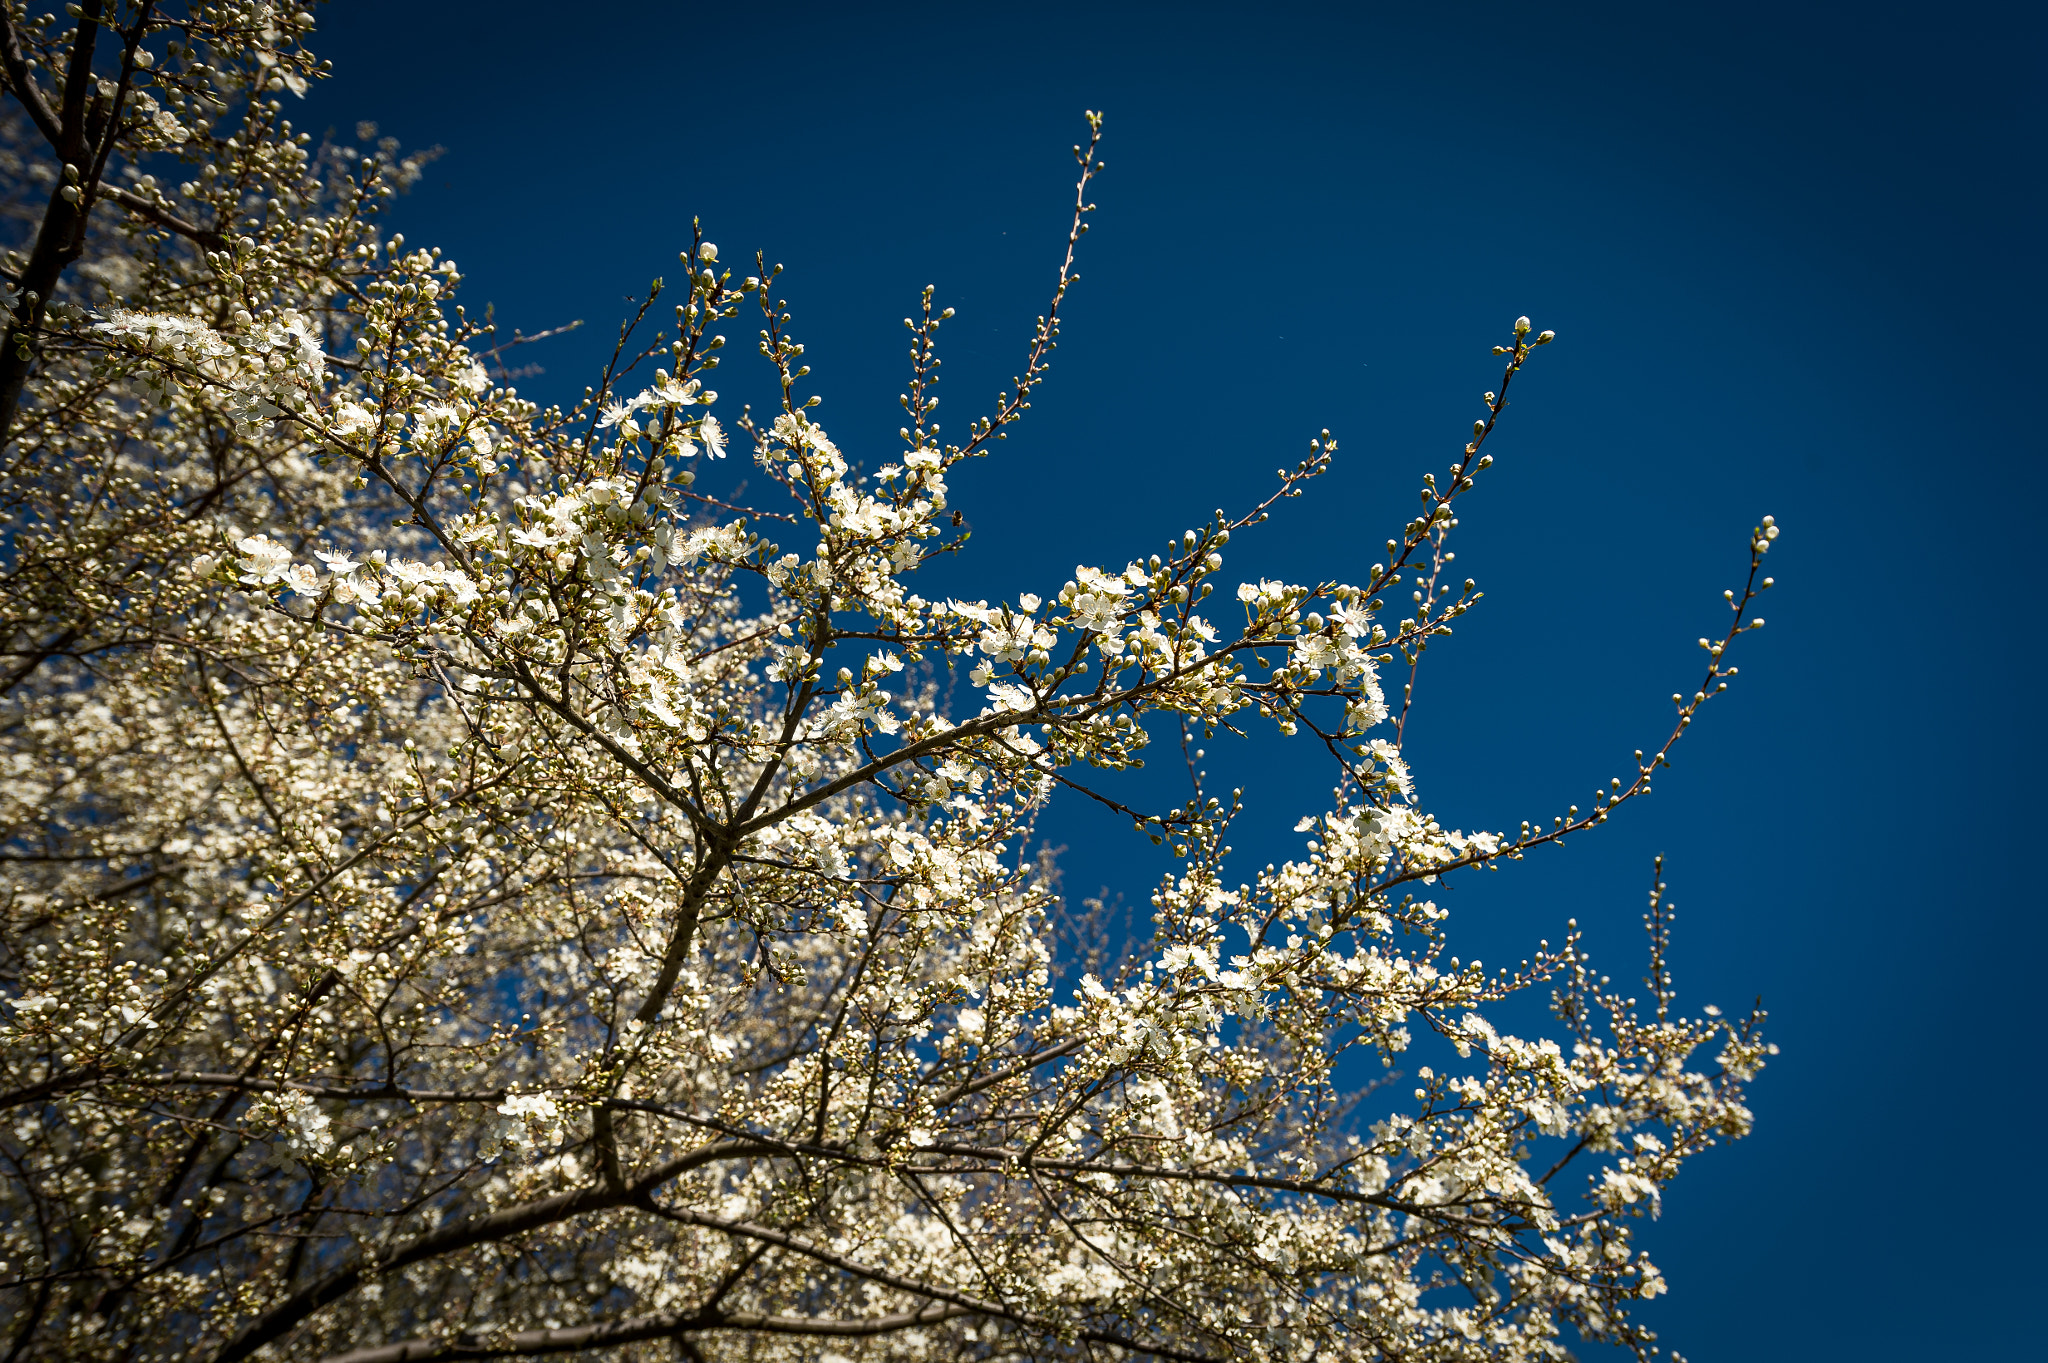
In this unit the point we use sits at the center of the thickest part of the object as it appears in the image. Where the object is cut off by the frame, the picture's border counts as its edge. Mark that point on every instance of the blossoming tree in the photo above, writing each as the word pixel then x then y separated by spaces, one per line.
pixel 471 891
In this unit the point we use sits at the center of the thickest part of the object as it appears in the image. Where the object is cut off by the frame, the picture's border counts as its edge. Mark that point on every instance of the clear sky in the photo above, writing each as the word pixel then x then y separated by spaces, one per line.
pixel 1791 253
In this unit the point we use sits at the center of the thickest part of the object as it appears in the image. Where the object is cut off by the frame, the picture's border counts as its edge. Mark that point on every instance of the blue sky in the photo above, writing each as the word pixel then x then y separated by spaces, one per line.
pixel 1791 256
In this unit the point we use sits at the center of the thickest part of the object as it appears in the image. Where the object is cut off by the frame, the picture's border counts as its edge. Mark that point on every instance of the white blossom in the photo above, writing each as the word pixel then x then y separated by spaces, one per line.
pixel 264 560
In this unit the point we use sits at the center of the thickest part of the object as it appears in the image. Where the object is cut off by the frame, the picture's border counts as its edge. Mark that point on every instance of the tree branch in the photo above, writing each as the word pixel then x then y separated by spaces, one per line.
pixel 633 1329
pixel 284 1317
pixel 22 82
pixel 795 1244
pixel 164 217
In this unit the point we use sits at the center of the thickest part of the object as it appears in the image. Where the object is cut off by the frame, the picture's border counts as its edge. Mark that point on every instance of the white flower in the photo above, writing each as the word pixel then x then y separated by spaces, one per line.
pixel 1008 641
pixel 798 431
pixel 674 392
pixel 713 436
pixel 339 564
pixel 527 1123
pixel 459 585
pixel 1389 757
pixel 306 1129
pixel 1265 594
pixel 1099 613
pixel 616 412
pixel 435 423
pixel 264 560
pixel 1315 652
pixel 1008 696
pixel 1355 621
pixel 351 419
pixel 537 537
pixel 792 663
pixel 528 1105
pixel 1365 712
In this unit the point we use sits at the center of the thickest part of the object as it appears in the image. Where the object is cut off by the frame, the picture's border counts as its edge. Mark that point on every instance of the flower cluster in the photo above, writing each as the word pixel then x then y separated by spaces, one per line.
pixel 263 370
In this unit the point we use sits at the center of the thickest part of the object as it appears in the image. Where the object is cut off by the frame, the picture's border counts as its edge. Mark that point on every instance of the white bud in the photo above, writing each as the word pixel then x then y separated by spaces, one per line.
pixel 707 251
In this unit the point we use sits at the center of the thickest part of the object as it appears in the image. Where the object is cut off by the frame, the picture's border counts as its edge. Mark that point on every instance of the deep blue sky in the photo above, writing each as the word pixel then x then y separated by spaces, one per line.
pixel 1791 255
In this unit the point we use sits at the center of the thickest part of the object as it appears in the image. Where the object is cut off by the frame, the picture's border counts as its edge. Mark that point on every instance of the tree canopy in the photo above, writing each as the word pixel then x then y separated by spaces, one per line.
pixel 475 889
